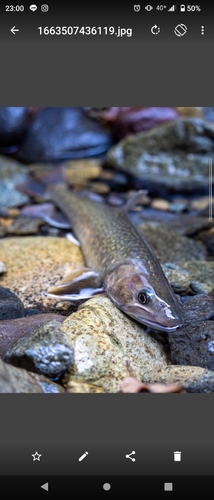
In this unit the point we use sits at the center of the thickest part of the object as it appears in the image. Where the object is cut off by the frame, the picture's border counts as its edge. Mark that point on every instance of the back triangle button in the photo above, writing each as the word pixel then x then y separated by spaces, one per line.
pixel 45 486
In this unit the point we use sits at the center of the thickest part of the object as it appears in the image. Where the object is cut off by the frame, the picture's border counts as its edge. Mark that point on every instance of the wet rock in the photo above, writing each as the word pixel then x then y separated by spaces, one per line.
pixel 81 387
pixel 171 157
pixel 10 305
pixel 160 204
pixel 191 111
pixel 12 330
pixel 192 378
pixel 17 380
pixel 178 278
pixel 191 276
pixel 202 275
pixel 200 203
pixel 34 264
pixel 207 238
pixel 208 212
pixel 43 350
pixel 11 174
pixel 106 342
pixel 193 345
pixel 184 224
pixel 13 124
pixel 128 120
pixel 3 268
pixel 209 113
pixel 23 225
pixel 169 246
pixel 77 173
pixel 196 309
pixel 59 133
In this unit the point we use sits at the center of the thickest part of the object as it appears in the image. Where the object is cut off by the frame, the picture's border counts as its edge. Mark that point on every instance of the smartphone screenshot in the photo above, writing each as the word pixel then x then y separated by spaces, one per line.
pixel 106 249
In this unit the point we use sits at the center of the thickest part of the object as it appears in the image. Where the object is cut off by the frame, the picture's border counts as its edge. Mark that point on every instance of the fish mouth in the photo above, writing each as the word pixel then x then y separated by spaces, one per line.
pixel 173 325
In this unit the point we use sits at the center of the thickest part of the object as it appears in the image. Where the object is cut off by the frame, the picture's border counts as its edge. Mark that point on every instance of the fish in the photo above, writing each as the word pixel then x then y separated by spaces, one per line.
pixel 119 262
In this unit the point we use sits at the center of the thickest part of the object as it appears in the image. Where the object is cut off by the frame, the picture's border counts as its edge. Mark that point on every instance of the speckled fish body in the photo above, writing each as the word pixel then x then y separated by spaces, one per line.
pixel 128 269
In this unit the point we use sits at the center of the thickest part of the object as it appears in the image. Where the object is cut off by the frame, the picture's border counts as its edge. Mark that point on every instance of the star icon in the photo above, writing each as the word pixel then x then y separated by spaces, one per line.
pixel 36 456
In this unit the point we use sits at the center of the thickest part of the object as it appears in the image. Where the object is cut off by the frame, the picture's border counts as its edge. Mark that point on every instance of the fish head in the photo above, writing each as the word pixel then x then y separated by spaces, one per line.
pixel 147 298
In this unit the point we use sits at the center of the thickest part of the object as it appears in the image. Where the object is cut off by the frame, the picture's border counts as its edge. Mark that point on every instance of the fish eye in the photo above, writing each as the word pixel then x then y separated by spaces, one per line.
pixel 144 296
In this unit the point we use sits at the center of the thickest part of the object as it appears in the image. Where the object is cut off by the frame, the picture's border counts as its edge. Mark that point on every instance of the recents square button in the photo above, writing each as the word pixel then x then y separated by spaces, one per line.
pixel 168 486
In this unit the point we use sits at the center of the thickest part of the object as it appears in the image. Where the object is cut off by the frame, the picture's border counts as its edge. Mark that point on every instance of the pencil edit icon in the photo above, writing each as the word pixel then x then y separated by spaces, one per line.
pixel 83 456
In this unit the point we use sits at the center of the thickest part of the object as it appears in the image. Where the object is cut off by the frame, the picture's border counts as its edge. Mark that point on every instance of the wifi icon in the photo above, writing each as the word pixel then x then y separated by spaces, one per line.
pixel 33 7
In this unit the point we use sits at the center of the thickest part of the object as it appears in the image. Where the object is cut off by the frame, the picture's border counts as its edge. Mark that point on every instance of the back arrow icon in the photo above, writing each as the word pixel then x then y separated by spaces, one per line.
pixel 14 29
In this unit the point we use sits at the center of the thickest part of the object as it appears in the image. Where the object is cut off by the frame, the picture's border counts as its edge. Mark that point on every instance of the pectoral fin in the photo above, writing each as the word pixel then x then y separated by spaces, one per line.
pixel 78 285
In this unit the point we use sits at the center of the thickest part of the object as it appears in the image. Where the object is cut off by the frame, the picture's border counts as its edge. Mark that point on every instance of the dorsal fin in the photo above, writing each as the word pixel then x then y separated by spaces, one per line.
pixel 134 199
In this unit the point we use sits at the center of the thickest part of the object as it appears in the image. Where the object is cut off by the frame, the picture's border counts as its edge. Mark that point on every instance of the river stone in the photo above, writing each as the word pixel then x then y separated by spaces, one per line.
pixel 178 278
pixel 202 275
pixel 44 351
pixel 23 225
pixel 107 344
pixel 59 133
pixel 192 378
pixel 193 345
pixel 197 308
pixel 184 224
pixel 12 330
pixel 171 157
pixel 16 380
pixel 36 263
pixel 11 173
pixel 81 387
pixel 3 268
pixel 11 306
pixel 207 238
pixel 13 124
pixel 169 246
pixel 191 277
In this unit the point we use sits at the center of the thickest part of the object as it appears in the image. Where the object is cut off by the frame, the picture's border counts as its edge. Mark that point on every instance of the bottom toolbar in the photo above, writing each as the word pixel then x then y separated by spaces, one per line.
pixel 148 485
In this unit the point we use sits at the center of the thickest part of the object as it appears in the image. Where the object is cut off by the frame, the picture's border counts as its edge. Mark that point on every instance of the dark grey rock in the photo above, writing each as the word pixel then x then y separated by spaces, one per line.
pixel 201 275
pixel 170 158
pixel 197 308
pixel 11 306
pixel 59 133
pixel 13 329
pixel 44 351
pixel 13 124
pixel 185 224
pixel 193 345
pixel 12 173
pixel 16 380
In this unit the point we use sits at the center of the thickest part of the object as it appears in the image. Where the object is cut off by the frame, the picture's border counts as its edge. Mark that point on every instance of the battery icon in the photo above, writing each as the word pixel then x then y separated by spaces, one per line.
pixel 182 8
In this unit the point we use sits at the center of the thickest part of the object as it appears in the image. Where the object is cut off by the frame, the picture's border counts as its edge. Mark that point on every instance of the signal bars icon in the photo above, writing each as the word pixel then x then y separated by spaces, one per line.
pixel 172 9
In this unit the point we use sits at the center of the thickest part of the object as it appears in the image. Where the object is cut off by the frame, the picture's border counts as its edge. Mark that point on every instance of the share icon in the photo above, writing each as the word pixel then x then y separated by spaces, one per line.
pixel 129 456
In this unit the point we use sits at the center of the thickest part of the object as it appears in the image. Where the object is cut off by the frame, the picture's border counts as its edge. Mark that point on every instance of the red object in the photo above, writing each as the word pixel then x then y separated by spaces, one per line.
pixel 124 121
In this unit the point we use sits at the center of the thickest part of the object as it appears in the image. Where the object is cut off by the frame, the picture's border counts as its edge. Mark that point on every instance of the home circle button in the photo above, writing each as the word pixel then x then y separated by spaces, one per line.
pixel 106 486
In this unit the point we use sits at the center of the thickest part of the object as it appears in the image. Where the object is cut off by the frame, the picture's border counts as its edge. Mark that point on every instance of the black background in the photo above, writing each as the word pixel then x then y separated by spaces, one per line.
pixel 142 70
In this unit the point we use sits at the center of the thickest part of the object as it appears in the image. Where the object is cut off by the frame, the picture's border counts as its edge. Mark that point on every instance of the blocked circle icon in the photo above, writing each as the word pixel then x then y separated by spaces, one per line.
pixel 180 30
pixel 44 7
